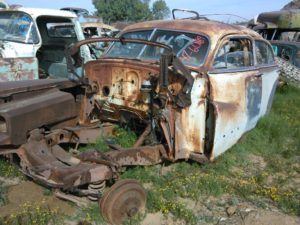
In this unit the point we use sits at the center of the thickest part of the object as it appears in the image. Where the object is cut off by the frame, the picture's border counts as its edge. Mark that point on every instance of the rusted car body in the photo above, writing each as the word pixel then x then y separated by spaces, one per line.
pixel 32 42
pixel 188 88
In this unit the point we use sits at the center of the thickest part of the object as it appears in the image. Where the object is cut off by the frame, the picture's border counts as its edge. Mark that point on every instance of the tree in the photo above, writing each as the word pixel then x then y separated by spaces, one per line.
pixel 295 4
pixel 160 10
pixel 130 10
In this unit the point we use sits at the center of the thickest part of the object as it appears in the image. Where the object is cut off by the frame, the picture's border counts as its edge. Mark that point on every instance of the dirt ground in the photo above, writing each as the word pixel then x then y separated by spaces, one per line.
pixel 214 210
pixel 260 217
pixel 242 214
pixel 29 192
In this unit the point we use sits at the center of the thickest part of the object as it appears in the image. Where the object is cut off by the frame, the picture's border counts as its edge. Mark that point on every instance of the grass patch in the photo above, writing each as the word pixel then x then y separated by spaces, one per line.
pixel 8 169
pixel 135 220
pixel 3 198
pixel 121 136
pixel 90 215
pixel 33 214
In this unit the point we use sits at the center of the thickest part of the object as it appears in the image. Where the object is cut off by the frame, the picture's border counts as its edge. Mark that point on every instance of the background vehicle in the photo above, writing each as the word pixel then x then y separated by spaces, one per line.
pixel 282 29
pixel 32 42
pixel 98 30
pixel 92 30
pixel 77 11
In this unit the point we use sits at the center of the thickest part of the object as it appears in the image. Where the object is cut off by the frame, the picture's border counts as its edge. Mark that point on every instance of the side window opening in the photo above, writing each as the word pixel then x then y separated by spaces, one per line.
pixel 264 53
pixel 235 53
pixel 56 33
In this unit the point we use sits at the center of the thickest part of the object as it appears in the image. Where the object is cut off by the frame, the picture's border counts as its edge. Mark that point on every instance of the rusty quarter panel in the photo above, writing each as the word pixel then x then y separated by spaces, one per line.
pixel 237 101
pixel 190 123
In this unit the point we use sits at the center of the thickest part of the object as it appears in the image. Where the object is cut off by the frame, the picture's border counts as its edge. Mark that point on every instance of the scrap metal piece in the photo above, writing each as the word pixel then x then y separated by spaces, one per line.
pixel 122 201
pixel 143 136
pixel 200 158
pixel 142 156
pixel 79 201
pixel 43 163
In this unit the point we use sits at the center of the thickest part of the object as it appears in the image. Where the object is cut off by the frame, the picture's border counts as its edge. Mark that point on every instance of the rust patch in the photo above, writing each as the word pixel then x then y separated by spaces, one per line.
pixel 12 69
pixel 146 155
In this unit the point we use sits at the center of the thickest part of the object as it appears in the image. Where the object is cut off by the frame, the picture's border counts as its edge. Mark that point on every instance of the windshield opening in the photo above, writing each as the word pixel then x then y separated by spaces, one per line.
pixel 129 50
pixel 191 48
pixel 17 27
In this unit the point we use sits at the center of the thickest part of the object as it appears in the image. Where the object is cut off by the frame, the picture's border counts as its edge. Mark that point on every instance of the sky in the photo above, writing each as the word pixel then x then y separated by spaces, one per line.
pixel 244 8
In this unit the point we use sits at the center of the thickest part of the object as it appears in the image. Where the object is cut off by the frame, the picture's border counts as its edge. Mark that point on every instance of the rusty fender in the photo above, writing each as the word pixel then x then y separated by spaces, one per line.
pixel 30 104
pixel 21 116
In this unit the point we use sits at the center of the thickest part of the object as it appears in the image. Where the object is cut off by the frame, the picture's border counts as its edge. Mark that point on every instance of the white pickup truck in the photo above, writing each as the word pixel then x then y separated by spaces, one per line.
pixel 32 43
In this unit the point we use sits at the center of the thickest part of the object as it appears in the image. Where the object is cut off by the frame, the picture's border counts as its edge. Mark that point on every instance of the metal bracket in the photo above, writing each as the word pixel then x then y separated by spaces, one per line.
pixel 196 17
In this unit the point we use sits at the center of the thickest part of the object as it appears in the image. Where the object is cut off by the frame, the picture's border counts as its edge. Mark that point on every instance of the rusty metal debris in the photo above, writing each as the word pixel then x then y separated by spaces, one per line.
pixel 189 89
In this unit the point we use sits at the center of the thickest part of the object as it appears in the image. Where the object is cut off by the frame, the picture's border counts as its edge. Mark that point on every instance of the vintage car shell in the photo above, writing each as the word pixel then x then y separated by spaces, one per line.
pixel 179 111
pixel 232 118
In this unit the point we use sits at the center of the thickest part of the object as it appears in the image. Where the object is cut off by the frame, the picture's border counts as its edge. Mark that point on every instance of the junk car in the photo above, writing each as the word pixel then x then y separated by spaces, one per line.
pixel 282 29
pixel 77 11
pixel 189 89
pixel 32 42
pixel 98 30
pixel 92 30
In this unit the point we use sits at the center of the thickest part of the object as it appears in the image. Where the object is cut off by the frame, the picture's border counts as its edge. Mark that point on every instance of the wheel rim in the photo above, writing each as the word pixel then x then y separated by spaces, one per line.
pixel 122 201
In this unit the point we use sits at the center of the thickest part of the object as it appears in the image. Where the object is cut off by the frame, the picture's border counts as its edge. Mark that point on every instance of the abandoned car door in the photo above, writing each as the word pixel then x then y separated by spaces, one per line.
pixel 235 92
pixel 18 43
pixel 265 63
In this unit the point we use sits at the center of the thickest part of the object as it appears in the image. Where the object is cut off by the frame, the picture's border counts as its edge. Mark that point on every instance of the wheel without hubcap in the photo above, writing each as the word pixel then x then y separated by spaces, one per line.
pixel 122 201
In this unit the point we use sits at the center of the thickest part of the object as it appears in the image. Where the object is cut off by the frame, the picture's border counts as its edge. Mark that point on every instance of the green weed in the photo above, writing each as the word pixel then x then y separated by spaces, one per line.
pixel 135 220
pixel 124 138
pixel 90 215
pixel 33 214
pixel 7 169
pixel 3 191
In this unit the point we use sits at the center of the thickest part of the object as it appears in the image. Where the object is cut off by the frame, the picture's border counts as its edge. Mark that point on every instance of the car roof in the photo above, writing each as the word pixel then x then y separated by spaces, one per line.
pixel 213 29
pixel 288 19
pixel 97 25
pixel 36 12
